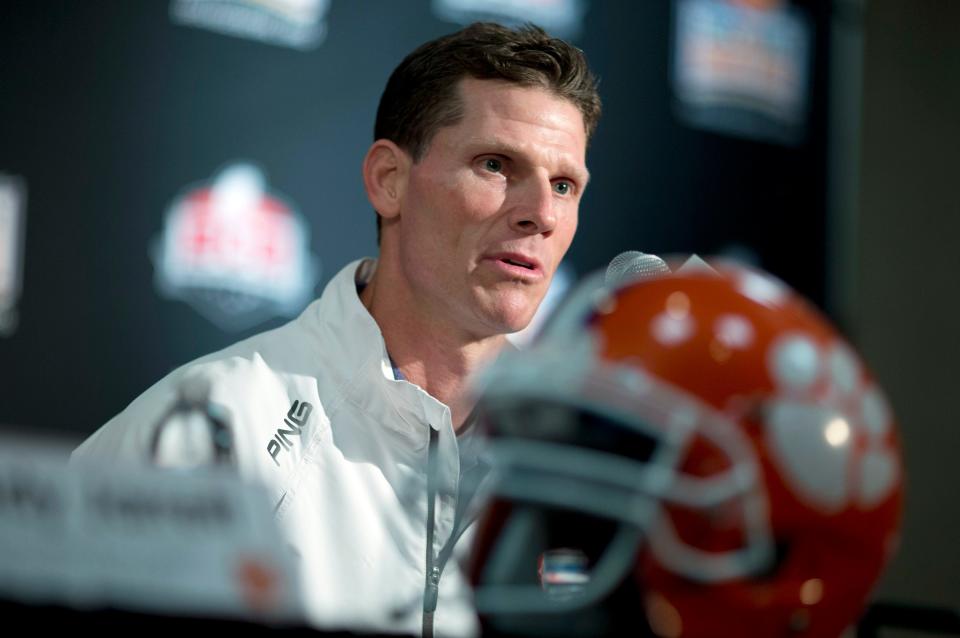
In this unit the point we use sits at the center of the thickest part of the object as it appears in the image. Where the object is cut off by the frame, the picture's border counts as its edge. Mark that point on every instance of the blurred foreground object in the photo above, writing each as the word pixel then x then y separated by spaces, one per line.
pixel 193 432
pixel 703 450
pixel 198 543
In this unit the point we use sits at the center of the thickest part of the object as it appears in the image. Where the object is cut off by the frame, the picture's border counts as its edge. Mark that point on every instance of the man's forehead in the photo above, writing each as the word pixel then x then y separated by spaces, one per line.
pixel 530 104
pixel 476 92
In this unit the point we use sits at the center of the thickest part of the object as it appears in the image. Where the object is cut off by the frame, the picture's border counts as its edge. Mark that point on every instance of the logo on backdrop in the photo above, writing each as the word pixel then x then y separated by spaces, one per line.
pixel 562 18
pixel 300 24
pixel 13 195
pixel 236 253
pixel 742 68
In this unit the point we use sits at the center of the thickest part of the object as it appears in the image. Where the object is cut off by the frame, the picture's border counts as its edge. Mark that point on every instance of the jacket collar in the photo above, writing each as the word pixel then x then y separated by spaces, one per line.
pixel 364 372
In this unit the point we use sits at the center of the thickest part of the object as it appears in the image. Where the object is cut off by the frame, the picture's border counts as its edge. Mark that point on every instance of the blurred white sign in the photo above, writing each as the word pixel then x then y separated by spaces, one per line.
pixel 300 24
pixel 197 543
pixel 235 252
pixel 13 194
pixel 561 18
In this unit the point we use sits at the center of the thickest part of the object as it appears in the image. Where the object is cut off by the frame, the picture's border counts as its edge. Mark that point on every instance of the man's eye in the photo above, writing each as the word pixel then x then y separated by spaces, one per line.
pixel 563 188
pixel 493 165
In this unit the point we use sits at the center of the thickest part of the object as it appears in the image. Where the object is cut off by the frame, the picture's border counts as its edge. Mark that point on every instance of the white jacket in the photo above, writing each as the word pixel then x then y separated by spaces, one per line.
pixel 349 473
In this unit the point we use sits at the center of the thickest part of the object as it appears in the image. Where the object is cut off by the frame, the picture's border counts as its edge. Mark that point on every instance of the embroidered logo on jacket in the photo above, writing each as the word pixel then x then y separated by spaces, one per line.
pixel 296 418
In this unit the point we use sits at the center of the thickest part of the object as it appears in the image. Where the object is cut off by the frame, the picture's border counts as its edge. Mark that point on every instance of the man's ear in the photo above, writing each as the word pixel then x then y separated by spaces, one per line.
pixel 385 171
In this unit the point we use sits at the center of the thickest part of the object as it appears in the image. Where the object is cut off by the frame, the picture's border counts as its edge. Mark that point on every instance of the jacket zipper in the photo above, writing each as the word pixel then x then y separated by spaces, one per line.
pixel 436 562
pixel 432 586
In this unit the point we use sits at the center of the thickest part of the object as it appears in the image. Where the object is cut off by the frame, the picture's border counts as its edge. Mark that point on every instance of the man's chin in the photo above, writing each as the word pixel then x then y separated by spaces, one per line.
pixel 508 311
pixel 510 320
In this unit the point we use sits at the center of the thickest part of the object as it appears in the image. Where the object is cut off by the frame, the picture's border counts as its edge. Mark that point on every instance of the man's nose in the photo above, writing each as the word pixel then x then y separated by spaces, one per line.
pixel 534 211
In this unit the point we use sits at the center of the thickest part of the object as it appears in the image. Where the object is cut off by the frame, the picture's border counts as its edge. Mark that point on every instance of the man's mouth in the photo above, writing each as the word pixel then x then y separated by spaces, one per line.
pixel 517 264
pixel 514 262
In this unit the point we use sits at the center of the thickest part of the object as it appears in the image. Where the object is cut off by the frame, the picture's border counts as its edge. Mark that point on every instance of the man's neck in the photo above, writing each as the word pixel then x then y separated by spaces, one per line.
pixel 437 357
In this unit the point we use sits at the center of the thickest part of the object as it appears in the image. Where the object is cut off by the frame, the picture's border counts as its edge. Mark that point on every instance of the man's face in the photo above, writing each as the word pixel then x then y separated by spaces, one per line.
pixel 490 209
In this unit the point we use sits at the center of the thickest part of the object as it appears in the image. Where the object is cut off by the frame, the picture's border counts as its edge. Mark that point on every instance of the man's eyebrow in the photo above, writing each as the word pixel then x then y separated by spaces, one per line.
pixel 507 148
pixel 490 145
pixel 585 177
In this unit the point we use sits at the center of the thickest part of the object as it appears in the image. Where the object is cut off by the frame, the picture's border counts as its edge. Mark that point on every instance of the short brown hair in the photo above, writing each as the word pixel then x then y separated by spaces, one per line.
pixel 421 95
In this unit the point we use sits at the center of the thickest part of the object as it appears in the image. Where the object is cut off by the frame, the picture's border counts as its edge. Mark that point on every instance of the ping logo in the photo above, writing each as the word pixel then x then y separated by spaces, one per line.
pixel 296 418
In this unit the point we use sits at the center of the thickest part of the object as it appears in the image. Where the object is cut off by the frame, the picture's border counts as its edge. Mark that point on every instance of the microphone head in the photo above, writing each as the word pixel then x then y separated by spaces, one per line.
pixel 632 265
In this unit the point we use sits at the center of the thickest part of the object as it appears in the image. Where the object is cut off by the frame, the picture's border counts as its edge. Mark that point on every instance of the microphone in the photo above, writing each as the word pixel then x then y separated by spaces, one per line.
pixel 633 265
pixel 628 266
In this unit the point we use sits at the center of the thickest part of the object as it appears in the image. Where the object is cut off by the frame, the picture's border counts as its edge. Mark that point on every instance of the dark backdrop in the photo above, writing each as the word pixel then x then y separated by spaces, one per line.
pixel 108 110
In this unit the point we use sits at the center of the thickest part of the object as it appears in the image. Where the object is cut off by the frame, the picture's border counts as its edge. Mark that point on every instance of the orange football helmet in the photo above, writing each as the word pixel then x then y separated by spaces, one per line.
pixel 691 454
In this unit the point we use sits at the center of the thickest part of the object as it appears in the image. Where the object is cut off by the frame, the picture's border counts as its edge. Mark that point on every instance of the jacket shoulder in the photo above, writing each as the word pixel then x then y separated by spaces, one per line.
pixel 247 380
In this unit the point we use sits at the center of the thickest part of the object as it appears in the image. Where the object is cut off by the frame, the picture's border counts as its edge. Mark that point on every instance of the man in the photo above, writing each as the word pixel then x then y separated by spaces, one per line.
pixel 351 413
